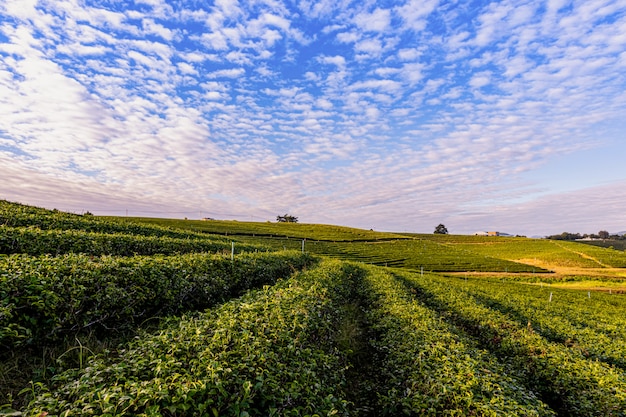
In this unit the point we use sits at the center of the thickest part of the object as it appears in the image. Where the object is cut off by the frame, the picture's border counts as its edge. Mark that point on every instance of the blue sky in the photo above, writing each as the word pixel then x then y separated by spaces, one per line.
pixel 392 115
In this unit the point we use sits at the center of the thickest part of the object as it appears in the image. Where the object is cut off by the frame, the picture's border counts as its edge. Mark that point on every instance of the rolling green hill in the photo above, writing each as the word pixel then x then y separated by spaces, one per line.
pixel 422 252
pixel 162 317
pixel 267 229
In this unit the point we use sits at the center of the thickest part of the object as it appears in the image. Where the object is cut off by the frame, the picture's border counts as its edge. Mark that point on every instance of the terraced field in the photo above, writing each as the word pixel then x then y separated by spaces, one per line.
pixel 118 318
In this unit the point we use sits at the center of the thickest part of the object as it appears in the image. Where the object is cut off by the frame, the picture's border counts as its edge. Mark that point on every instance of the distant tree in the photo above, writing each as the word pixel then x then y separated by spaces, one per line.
pixel 87 213
pixel 441 229
pixel 287 218
pixel 565 236
pixel 603 234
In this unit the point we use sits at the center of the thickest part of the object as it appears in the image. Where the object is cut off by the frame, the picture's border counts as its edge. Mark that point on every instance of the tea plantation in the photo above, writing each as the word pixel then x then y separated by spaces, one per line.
pixel 161 317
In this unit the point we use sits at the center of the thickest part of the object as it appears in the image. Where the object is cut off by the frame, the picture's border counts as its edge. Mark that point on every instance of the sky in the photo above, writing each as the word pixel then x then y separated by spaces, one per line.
pixel 389 115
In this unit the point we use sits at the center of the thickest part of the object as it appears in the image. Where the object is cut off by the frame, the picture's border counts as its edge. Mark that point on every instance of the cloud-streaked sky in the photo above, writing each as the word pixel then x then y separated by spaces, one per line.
pixel 392 115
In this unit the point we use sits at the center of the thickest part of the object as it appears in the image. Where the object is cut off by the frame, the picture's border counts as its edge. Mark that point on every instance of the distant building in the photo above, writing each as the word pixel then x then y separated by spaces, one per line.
pixel 487 234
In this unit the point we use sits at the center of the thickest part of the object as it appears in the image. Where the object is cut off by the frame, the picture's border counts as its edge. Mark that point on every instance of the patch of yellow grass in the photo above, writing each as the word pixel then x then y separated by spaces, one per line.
pixel 615 287
pixel 577 271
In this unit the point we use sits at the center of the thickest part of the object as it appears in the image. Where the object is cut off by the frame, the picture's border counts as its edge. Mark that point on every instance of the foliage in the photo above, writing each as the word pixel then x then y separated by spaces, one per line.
pixel 602 234
pixel 287 218
pixel 591 324
pixel 336 338
pixel 271 352
pixel 431 369
pixel 18 215
pixel 565 236
pixel 411 254
pixel 44 298
pixel 617 244
pixel 441 230
pixel 564 376
pixel 441 346
pixel 34 241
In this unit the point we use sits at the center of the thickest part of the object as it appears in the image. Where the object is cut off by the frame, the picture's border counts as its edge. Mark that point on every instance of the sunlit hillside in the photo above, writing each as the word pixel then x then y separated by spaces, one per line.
pixel 164 317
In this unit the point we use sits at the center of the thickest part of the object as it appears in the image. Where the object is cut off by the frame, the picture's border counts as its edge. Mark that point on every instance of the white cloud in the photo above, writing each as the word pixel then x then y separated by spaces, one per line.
pixel 21 9
pixel 337 60
pixel 311 76
pixel 480 80
pixel 413 72
pixel 415 12
pixel 369 46
pixel 409 54
pixel 377 21
pixel 84 50
pixel 216 41
pixel 385 85
pixel 348 37
pixel 227 73
pixel 151 27
pixel 273 20
pixel 324 104
pixel 186 68
pixel 229 8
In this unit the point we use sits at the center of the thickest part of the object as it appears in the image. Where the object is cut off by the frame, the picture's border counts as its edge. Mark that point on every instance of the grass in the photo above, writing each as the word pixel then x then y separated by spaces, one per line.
pixel 267 229
pixel 497 271
pixel 548 254
pixel 443 252
pixel 415 252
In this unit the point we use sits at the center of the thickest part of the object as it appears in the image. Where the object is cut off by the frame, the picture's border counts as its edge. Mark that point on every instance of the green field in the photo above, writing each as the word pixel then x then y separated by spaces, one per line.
pixel 161 317
pixel 420 252
pixel 263 229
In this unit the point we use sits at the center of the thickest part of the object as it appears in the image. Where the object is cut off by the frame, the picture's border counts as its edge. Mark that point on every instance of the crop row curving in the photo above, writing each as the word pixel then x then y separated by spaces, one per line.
pixel 44 298
pixel 271 352
pixel 429 256
pixel 430 368
pixel 34 241
pixel 589 324
pixel 434 346
pixel 18 215
pixel 410 254
pixel 567 380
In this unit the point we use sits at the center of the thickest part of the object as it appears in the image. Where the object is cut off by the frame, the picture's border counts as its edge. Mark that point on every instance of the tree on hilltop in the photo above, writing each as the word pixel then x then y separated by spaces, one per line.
pixel 441 229
pixel 287 218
